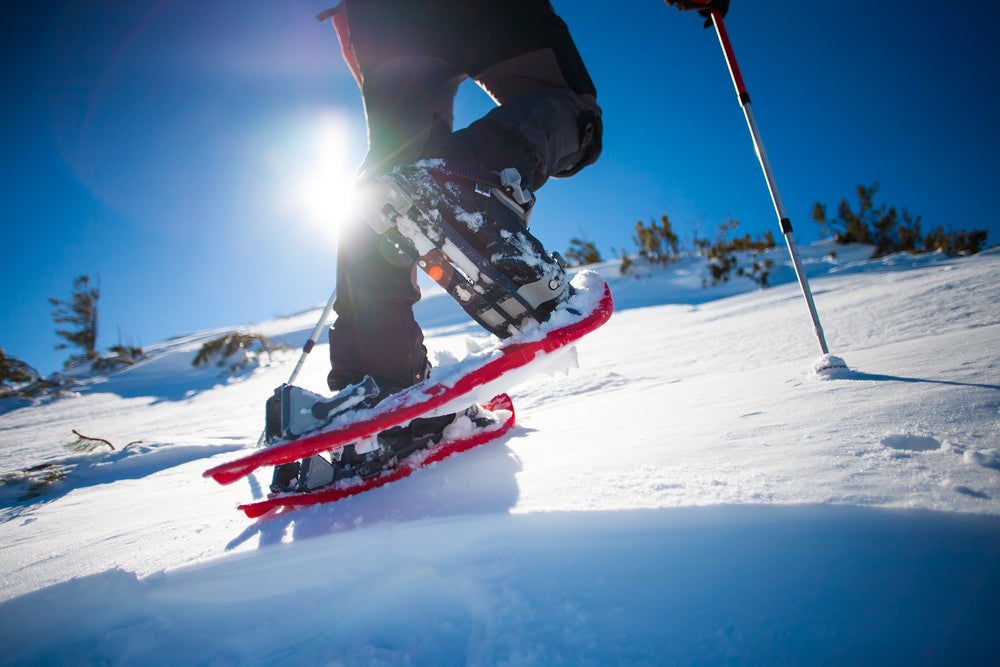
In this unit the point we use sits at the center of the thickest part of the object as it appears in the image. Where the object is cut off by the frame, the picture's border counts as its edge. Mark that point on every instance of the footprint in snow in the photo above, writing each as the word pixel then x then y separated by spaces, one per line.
pixel 971 492
pixel 911 443
pixel 987 459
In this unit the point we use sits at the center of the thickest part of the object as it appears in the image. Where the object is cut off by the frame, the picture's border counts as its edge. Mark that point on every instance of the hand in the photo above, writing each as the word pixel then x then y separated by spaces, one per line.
pixel 703 7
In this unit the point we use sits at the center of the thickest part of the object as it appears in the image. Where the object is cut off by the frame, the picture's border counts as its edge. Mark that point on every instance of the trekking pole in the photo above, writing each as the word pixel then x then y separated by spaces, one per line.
pixel 765 164
pixel 311 343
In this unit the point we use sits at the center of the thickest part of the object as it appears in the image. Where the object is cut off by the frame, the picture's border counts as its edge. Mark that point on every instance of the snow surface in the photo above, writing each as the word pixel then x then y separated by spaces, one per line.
pixel 692 494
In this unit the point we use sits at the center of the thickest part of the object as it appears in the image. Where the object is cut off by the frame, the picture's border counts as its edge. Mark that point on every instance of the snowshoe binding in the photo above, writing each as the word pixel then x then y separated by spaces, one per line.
pixel 468 230
pixel 366 459
pixel 292 411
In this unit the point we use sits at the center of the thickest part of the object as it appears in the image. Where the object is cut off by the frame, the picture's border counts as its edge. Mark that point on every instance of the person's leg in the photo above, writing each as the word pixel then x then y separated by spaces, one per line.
pixel 540 131
pixel 375 332
pixel 548 122
pixel 519 51
pixel 407 100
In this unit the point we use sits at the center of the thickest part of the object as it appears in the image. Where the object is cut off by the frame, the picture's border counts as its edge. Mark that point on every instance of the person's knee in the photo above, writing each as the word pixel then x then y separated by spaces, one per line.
pixel 590 128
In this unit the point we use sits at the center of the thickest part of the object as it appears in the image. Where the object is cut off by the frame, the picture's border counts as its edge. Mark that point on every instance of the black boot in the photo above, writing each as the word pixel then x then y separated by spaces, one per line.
pixel 293 411
pixel 489 212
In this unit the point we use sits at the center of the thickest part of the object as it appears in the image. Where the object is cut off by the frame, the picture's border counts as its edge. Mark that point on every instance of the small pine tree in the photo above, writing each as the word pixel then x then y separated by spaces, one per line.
pixel 893 230
pixel 909 232
pixel 950 242
pixel 626 264
pixel 819 217
pixel 15 371
pixel 582 252
pixel 856 228
pixel 81 312
pixel 723 260
pixel 657 243
pixel 235 351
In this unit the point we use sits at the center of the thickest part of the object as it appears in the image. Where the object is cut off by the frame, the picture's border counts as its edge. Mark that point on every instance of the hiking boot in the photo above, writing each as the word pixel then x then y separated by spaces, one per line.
pixel 432 202
pixel 372 456
pixel 293 411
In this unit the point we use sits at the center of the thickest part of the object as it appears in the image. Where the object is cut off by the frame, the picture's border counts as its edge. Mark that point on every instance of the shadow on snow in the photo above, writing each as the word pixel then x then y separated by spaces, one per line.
pixel 752 584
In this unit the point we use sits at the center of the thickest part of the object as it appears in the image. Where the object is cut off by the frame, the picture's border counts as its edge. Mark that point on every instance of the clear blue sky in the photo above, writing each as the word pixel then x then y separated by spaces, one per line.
pixel 182 150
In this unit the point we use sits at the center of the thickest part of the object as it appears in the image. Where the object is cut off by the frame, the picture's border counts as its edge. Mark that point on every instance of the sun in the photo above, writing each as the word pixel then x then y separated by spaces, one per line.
pixel 318 176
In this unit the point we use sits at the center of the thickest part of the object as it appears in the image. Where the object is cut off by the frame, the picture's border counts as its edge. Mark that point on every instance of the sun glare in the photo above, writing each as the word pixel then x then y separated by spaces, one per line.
pixel 318 180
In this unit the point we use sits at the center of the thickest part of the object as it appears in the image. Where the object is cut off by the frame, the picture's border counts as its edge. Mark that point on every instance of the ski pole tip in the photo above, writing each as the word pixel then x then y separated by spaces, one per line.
pixel 830 366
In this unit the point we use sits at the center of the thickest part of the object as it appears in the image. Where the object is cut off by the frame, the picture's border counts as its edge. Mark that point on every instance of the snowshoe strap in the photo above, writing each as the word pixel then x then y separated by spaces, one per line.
pixel 506 180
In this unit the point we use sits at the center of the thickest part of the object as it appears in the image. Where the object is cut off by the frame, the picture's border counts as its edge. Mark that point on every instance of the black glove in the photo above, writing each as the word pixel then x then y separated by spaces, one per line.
pixel 703 7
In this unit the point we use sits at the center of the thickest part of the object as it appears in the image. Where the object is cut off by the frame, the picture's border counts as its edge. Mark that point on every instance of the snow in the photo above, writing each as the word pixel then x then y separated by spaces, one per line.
pixel 693 493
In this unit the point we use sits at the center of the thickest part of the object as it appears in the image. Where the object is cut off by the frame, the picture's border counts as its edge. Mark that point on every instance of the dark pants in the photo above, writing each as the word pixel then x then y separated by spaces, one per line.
pixel 411 56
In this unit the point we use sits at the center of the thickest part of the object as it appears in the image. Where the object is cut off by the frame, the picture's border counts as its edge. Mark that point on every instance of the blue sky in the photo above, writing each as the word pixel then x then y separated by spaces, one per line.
pixel 195 155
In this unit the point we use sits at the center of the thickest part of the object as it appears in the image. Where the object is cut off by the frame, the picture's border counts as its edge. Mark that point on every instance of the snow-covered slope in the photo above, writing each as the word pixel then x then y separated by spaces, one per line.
pixel 693 493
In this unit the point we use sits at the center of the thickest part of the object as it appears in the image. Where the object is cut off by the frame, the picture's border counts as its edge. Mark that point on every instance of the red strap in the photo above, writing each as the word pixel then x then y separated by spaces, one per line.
pixel 346 49
pixel 339 20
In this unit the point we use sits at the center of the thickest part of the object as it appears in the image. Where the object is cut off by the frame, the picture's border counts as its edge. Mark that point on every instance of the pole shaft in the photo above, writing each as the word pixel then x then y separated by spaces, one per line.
pixel 765 164
pixel 307 348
